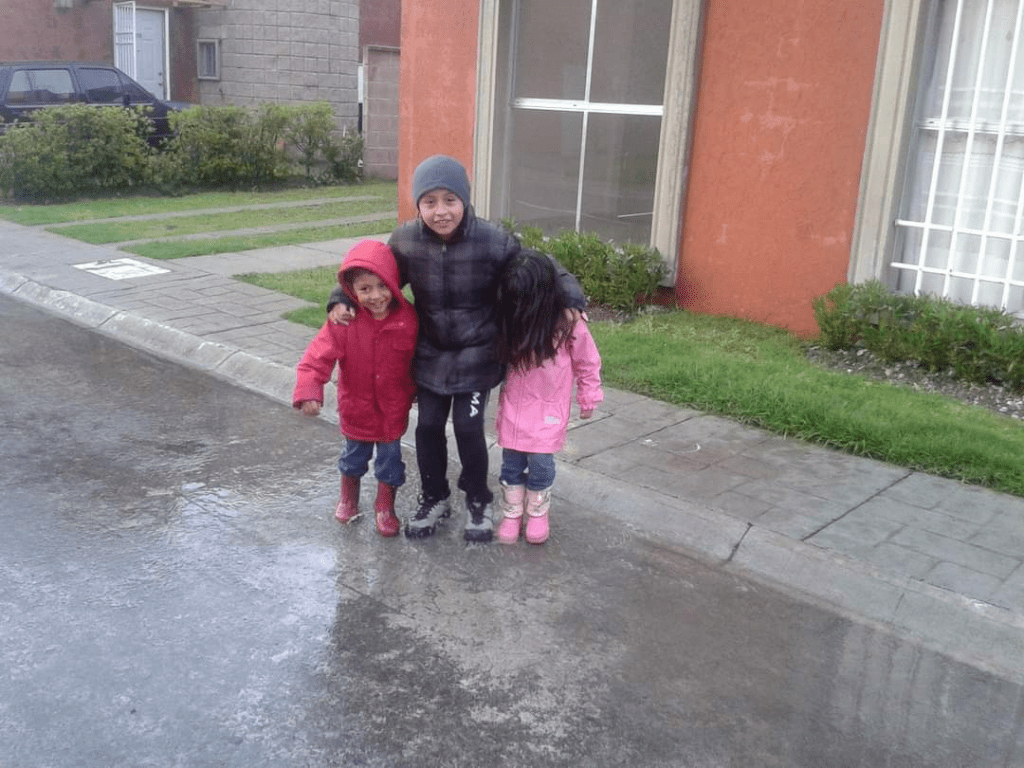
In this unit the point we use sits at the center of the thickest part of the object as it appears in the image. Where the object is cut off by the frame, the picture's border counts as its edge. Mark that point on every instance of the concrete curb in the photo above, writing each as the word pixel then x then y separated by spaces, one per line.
pixel 941 620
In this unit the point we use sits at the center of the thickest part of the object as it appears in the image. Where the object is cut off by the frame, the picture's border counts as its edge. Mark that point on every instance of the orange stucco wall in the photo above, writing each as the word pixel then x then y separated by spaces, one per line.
pixel 782 113
pixel 781 118
pixel 438 87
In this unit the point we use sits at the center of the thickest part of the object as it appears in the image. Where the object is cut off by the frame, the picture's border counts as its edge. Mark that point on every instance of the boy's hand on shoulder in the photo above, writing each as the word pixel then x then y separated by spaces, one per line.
pixel 341 314
pixel 574 315
pixel 310 408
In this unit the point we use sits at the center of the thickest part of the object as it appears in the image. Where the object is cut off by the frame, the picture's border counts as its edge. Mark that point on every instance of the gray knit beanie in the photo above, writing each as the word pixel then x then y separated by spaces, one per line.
pixel 440 172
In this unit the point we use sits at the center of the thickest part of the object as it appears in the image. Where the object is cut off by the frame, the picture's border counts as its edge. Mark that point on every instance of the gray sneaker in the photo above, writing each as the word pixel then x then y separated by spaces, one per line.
pixel 479 523
pixel 425 521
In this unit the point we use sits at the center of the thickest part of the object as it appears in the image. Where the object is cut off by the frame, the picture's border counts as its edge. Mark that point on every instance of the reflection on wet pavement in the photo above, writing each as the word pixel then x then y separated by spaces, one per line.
pixel 175 591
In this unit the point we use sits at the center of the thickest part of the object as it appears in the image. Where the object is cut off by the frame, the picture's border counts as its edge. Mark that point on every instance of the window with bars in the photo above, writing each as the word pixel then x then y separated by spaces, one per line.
pixel 960 219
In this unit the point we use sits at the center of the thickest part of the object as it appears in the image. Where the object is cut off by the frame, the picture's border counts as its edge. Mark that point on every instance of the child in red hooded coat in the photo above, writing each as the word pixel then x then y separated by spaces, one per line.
pixel 374 355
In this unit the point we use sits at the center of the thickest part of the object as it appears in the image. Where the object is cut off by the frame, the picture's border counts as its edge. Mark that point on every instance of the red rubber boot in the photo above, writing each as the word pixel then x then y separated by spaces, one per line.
pixel 348 506
pixel 384 510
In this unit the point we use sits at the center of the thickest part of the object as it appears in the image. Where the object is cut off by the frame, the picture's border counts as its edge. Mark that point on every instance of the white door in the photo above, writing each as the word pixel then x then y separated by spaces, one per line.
pixel 150 57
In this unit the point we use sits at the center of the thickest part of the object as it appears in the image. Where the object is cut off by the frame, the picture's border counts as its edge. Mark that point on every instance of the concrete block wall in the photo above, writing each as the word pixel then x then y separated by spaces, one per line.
pixel 285 52
pixel 380 126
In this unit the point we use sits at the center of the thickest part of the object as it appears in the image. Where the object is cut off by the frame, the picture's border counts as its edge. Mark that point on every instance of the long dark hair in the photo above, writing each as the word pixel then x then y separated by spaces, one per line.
pixel 531 311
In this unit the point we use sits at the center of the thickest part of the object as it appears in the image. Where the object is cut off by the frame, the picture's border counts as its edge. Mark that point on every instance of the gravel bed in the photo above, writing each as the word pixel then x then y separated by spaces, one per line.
pixel 994 397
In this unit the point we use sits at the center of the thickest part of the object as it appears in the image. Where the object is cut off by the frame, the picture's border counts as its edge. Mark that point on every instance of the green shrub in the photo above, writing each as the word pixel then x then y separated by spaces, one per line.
pixel 72 150
pixel 238 147
pixel 837 327
pixel 979 344
pixel 226 146
pixel 308 130
pixel 617 276
pixel 69 151
pixel 345 158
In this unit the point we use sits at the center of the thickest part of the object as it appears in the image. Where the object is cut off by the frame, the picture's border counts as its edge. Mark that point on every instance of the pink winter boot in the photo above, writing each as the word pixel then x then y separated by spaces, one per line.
pixel 512 498
pixel 537 505
pixel 348 505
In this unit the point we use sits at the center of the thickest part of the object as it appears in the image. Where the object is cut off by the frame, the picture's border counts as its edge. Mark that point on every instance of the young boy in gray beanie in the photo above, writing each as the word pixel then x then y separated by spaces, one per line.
pixel 453 261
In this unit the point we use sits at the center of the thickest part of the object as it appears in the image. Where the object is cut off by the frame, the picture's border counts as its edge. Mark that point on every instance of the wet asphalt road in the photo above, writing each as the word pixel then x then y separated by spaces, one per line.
pixel 175 592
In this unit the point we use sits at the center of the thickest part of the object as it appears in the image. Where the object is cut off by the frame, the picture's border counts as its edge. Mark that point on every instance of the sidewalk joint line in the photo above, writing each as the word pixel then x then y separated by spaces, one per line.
pixel 738 544
pixel 872 497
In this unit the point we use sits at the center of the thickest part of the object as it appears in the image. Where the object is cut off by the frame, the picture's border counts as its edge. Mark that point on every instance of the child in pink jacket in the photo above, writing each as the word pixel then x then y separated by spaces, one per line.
pixel 546 354
pixel 375 385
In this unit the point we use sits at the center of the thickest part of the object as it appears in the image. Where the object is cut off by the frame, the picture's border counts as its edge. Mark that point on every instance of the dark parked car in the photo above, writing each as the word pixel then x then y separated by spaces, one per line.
pixel 26 86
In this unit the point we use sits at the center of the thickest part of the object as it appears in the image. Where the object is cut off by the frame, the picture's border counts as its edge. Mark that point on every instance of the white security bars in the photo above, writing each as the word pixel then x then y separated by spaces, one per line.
pixel 124 37
pixel 959 229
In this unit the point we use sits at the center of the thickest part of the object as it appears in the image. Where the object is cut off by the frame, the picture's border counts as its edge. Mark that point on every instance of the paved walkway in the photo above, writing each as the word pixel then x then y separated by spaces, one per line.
pixel 924 556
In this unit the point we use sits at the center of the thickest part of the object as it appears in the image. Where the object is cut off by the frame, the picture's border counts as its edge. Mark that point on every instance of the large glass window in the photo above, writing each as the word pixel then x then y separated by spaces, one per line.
pixel 960 220
pixel 588 82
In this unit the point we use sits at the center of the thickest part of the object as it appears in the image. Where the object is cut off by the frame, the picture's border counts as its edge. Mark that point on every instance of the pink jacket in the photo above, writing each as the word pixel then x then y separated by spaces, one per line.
pixel 534 407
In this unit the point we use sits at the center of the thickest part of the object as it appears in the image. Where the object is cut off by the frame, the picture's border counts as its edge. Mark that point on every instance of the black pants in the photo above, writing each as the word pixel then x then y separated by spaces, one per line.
pixel 467 410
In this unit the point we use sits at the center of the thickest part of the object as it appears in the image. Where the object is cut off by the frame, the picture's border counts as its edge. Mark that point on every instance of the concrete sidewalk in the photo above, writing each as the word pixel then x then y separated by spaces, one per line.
pixel 926 557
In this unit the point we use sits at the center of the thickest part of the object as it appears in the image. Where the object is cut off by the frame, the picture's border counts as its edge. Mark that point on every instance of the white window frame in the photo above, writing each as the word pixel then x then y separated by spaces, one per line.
pixel 200 58
pixel 676 124
pixel 884 163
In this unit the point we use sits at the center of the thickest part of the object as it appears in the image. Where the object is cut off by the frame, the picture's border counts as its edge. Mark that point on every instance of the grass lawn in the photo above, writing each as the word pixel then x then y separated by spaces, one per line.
pixel 759 375
pixel 121 231
pixel 324 203
pixel 107 208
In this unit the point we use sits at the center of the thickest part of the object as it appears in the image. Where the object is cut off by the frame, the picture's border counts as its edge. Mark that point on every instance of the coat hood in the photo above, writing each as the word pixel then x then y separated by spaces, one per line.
pixel 376 257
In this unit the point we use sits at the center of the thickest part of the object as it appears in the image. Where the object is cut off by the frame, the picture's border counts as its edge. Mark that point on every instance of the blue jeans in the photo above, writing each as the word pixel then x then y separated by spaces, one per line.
pixel 534 470
pixel 388 466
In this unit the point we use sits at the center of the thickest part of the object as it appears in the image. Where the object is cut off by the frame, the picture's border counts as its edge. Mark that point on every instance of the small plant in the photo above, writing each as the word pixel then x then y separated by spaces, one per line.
pixel 837 328
pixel 981 345
pixel 344 158
pixel 617 276
pixel 308 129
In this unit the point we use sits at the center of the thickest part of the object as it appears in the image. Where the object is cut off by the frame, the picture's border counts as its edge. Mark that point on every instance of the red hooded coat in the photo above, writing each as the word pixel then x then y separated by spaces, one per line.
pixel 374 358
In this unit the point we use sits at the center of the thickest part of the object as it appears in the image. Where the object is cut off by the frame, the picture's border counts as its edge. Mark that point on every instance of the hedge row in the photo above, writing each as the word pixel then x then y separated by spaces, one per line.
pixel 77 150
